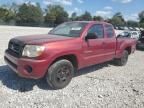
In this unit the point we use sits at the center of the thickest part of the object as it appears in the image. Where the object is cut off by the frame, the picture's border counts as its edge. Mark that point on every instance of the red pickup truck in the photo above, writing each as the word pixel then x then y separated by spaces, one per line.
pixel 65 49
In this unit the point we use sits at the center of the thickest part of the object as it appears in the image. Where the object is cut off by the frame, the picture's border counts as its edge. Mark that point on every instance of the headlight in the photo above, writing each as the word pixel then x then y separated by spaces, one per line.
pixel 33 50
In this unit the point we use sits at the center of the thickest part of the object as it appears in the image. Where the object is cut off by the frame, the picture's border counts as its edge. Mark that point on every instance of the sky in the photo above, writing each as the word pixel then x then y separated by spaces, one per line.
pixel 105 8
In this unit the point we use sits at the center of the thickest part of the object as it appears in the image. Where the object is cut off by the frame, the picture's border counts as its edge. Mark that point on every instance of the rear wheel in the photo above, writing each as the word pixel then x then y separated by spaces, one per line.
pixel 60 74
pixel 123 60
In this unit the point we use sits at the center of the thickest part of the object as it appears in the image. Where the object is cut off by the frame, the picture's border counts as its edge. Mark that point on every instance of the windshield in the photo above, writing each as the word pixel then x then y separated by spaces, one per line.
pixel 69 29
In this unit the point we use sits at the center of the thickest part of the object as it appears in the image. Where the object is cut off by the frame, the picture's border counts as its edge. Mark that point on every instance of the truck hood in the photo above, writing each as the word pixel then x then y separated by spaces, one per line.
pixel 41 39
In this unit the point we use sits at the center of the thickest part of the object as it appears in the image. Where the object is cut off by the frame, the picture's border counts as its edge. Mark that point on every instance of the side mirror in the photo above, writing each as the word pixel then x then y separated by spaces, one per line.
pixel 91 36
pixel 50 31
pixel 118 36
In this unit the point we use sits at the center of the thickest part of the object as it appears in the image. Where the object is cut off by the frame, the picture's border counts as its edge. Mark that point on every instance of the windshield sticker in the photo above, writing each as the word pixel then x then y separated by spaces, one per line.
pixel 76 28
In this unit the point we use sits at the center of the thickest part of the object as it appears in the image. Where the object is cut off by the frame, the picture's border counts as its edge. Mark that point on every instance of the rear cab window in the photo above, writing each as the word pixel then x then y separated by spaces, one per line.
pixel 109 31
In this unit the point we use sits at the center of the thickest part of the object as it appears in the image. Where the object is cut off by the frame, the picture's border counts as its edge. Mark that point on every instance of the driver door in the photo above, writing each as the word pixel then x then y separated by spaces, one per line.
pixel 93 49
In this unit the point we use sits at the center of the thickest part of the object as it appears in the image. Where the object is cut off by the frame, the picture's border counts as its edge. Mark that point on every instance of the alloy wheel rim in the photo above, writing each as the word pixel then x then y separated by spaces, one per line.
pixel 63 74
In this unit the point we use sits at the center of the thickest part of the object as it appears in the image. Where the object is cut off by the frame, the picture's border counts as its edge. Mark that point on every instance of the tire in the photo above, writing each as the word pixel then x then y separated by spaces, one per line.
pixel 123 60
pixel 60 74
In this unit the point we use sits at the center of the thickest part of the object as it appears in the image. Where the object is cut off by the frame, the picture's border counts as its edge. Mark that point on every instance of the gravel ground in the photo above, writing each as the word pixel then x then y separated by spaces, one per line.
pixel 103 85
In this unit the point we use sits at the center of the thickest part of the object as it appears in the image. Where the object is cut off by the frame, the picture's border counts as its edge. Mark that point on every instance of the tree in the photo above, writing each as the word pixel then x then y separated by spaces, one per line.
pixel 86 16
pixel 29 15
pixel 6 15
pixel 14 7
pixel 118 19
pixel 131 23
pixel 98 18
pixel 50 19
pixel 3 13
pixel 55 14
pixel 141 17
pixel 73 16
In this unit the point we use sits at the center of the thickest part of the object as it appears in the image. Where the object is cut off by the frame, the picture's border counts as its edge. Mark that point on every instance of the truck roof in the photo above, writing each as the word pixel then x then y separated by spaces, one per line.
pixel 99 22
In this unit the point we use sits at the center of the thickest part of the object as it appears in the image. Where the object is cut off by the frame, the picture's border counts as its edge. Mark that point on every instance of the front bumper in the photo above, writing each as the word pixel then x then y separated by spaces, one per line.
pixel 21 66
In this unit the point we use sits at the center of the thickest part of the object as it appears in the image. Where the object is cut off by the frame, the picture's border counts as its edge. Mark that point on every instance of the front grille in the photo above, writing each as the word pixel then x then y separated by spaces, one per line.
pixel 15 47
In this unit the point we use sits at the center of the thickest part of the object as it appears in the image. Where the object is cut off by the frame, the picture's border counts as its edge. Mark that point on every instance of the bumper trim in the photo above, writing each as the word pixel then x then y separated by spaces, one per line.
pixel 18 66
pixel 11 63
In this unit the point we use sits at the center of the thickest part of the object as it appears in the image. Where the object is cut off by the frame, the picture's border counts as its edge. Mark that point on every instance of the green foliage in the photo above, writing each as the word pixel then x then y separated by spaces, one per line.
pixel 131 23
pixel 29 15
pixel 141 15
pixel 118 19
pixel 86 16
pixel 98 18
pixel 55 14
pixel 141 18
pixel 32 15
pixel 6 15
pixel 74 16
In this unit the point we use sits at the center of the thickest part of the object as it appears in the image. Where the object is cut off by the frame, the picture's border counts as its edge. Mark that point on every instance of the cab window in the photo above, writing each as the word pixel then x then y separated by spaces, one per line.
pixel 109 31
pixel 98 30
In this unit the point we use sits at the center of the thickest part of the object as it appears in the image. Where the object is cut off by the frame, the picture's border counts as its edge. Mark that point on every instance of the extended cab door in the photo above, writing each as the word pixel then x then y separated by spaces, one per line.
pixel 110 42
pixel 93 49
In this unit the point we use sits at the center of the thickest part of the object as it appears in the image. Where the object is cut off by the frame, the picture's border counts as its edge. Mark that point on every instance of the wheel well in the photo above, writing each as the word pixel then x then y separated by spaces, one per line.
pixel 72 58
pixel 128 49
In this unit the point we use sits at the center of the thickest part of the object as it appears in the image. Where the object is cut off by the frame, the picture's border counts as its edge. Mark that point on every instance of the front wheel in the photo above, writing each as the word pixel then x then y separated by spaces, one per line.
pixel 123 60
pixel 60 74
